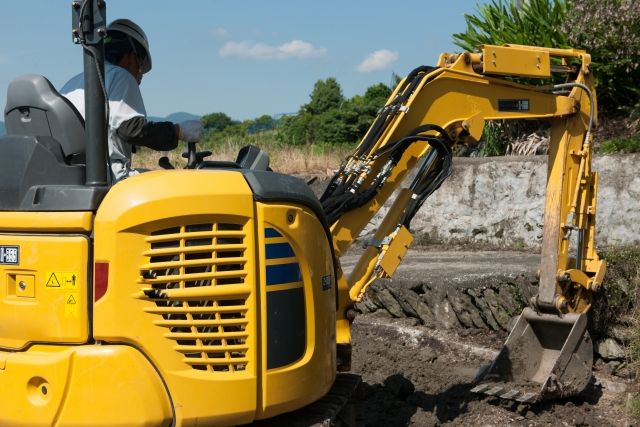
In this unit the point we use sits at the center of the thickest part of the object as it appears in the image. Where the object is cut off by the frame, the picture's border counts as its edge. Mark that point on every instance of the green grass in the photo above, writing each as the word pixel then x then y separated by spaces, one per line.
pixel 491 141
pixel 634 406
pixel 622 145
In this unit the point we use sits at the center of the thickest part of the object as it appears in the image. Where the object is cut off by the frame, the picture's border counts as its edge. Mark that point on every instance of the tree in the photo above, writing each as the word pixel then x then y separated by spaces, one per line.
pixel 376 96
pixel 326 95
pixel 260 124
pixel 330 119
pixel 217 121
pixel 296 130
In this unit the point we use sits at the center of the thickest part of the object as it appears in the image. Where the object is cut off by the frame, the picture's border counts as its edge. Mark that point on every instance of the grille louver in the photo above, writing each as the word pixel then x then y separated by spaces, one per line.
pixel 196 276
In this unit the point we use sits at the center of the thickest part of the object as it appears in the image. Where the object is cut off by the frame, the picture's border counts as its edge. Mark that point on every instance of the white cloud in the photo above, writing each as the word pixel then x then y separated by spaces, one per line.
pixel 220 33
pixel 252 50
pixel 378 60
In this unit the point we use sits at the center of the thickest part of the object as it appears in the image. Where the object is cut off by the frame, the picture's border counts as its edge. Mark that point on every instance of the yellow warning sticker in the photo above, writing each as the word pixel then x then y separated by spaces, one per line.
pixel 71 304
pixel 61 280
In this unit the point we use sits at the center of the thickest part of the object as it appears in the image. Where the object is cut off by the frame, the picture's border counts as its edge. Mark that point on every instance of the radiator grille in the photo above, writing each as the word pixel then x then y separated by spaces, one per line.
pixel 196 275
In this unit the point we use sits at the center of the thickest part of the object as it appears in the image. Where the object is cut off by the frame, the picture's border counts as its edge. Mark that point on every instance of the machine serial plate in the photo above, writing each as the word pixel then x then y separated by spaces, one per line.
pixel 513 105
pixel 9 255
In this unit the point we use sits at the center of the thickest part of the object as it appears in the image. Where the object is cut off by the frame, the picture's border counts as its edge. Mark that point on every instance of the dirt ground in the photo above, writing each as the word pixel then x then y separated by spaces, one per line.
pixel 418 376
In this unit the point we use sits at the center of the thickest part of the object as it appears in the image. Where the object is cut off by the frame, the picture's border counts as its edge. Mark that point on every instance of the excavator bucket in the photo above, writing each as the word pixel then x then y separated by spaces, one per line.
pixel 546 356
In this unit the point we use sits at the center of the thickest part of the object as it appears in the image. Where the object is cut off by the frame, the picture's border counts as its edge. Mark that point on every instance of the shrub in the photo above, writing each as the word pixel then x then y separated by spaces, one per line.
pixel 610 31
pixel 535 22
pixel 491 143
pixel 621 145
pixel 618 297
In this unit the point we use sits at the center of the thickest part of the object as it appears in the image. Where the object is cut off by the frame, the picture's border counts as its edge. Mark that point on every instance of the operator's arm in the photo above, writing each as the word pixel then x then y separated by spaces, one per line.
pixel 162 136
pixel 127 116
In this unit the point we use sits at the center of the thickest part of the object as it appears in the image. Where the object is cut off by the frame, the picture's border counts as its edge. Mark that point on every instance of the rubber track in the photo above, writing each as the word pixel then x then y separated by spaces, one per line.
pixel 321 413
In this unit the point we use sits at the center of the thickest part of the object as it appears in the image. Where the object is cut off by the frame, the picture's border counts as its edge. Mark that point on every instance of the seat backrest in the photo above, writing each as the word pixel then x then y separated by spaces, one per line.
pixel 35 108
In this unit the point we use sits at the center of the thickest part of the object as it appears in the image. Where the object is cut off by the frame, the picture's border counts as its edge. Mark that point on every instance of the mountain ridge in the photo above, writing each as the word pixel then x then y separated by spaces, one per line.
pixel 177 117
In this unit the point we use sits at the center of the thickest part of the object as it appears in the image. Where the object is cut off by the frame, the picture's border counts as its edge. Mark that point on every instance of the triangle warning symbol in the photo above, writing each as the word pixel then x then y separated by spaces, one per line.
pixel 71 300
pixel 53 281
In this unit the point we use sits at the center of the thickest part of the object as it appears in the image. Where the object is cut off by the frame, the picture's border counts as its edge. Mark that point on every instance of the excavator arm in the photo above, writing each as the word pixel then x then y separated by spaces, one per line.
pixel 435 108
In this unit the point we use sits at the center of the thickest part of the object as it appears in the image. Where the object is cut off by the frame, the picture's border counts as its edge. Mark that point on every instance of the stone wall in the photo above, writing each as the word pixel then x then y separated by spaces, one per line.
pixel 500 201
pixel 481 290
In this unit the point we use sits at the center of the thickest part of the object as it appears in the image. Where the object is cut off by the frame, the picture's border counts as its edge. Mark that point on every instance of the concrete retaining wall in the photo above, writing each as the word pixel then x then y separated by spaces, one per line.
pixel 500 201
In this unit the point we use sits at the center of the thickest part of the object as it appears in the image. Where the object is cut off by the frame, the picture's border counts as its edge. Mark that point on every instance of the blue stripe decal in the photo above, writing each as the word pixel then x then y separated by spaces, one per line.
pixel 271 232
pixel 279 250
pixel 283 273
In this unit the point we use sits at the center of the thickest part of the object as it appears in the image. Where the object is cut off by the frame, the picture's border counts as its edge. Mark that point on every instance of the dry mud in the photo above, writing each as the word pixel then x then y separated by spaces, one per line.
pixel 415 375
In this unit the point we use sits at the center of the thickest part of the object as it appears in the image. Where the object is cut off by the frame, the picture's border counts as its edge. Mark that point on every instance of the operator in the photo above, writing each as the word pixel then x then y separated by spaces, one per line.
pixel 127 58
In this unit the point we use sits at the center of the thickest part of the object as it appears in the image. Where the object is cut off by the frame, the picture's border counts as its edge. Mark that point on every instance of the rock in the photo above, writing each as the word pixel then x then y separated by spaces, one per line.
pixel 483 309
pixel 611 367
pixel 410 302
pixel 614 386
pixel 362 307
pixel 525 286
pixel 465 311
pixel 445 315
pixel 508 299
pixel 367 305
pixel 376 298
pixel 620 333
pixel 495 305
pixel 609 349
pixel 386 300
pixel 479 230
pixel 435 296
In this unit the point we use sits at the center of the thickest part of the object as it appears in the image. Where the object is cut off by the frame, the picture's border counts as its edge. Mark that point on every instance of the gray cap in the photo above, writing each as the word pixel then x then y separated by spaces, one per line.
pixel 133 30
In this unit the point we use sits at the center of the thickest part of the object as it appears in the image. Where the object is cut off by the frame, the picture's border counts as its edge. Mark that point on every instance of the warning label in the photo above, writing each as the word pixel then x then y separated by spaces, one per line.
pixel 53 281
pixel 71 306
pixel 61 279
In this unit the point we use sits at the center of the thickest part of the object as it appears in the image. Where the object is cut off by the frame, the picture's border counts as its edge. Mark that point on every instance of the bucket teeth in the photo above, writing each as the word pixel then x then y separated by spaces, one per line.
pixel 494 390
pixel 480 388
pixel 498 389
pixel 526 398
pixel 510 394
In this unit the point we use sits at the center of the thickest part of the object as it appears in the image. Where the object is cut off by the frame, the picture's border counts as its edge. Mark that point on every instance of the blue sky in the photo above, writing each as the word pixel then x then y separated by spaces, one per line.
pixel 244 58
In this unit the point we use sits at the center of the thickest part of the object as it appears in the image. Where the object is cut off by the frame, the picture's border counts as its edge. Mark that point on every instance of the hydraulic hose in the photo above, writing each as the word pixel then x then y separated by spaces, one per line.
pixel 592 107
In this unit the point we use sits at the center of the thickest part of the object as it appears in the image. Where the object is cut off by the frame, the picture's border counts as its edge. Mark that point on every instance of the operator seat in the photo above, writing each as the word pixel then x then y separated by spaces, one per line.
pixel 42 156
pixel 35 108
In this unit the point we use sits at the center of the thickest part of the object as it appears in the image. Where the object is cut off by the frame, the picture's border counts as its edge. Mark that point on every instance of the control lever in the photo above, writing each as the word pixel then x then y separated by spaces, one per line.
pixel 194 157
pixel 164 163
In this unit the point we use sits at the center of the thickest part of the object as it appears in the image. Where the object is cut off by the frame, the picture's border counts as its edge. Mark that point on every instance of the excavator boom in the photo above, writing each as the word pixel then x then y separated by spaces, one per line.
pixel 435 108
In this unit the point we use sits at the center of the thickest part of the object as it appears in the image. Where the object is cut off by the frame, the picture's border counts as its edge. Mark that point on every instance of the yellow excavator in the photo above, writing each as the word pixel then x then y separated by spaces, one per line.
pixel 213 295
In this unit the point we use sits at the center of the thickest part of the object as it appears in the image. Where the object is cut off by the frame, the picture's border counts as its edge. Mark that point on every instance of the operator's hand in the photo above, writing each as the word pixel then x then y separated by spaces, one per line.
pixel 190 130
